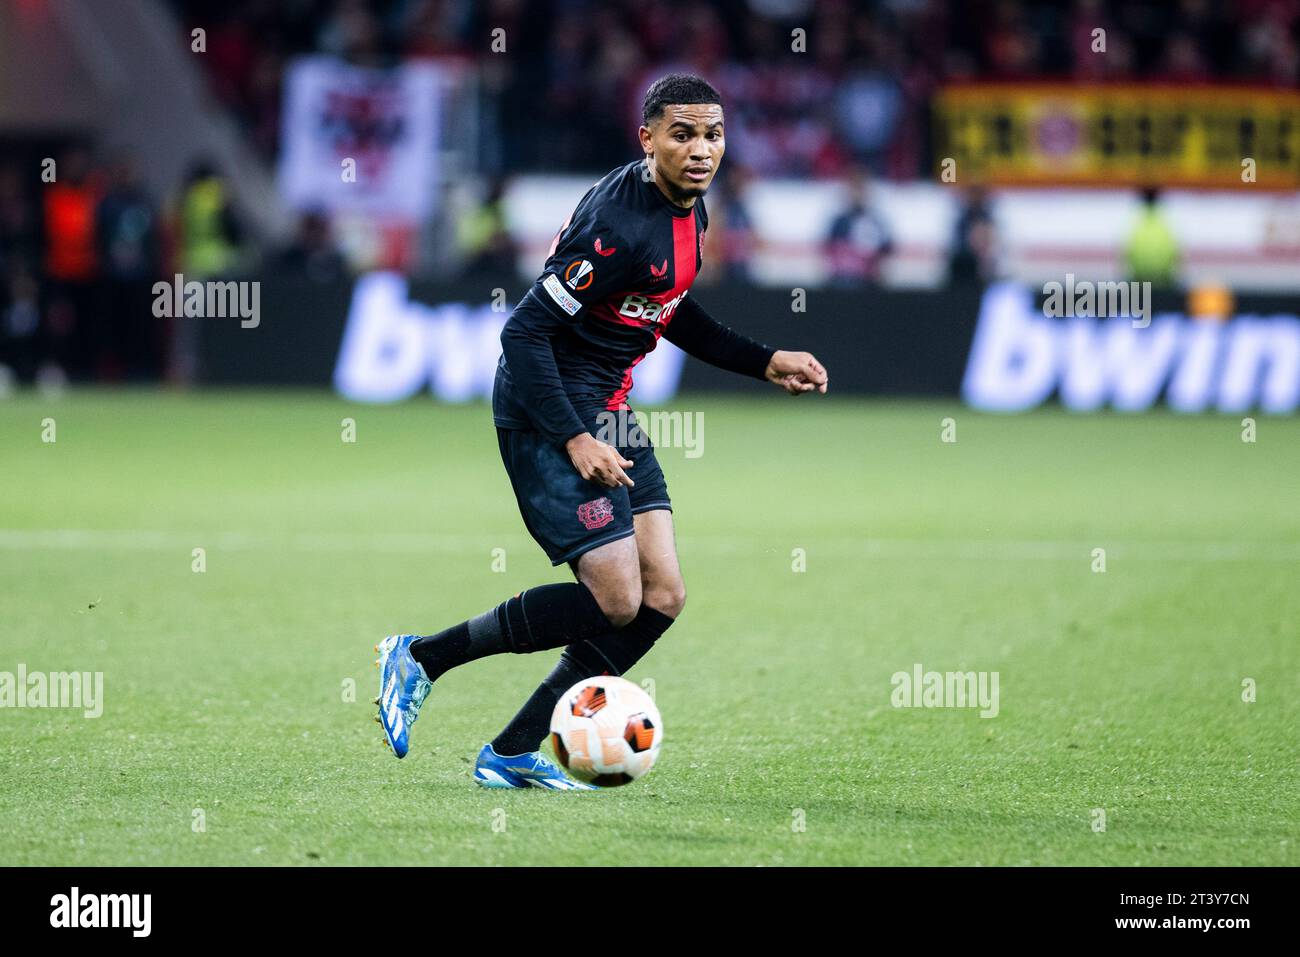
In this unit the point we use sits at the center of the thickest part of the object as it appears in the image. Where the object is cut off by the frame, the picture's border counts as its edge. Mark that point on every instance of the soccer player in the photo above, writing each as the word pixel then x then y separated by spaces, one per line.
pixel 616 279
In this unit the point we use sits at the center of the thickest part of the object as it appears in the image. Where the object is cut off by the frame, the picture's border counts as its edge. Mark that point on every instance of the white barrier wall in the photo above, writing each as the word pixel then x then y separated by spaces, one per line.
pixel 1248 241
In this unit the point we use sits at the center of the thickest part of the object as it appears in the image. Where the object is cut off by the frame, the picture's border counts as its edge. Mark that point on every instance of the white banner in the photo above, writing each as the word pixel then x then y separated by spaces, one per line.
pixel 360 140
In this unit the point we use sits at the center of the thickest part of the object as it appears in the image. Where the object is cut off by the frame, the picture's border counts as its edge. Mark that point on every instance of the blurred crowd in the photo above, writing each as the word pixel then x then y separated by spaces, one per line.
pixel 852 88
pixel 86 243
pixel 82 244
pixel 846 100
pixel 79 257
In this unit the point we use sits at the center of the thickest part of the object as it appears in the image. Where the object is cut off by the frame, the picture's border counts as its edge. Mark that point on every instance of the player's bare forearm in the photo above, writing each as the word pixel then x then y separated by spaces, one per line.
pixel 797 372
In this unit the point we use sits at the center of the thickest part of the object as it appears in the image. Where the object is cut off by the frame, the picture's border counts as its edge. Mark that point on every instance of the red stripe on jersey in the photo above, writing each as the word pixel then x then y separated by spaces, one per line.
pixel 619 399
pixel 684 250
pixel 684 247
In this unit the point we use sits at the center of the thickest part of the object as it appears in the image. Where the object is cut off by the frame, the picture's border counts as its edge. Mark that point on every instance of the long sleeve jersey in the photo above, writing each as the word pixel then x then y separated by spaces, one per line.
pixel 615 281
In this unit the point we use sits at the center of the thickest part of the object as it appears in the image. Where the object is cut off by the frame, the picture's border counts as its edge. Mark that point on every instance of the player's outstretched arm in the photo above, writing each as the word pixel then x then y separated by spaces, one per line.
pixel 698 334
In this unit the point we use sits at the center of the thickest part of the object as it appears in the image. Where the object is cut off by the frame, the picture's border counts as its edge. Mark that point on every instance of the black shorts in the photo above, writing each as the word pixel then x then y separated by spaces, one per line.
pixel 568 515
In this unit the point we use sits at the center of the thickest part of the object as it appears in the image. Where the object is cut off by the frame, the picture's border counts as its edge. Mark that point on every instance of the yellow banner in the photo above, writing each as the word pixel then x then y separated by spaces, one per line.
pixel 1061 134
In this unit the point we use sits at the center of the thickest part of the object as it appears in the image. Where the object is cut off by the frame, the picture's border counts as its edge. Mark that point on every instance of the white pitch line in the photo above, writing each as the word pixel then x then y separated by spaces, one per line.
pixel 926 549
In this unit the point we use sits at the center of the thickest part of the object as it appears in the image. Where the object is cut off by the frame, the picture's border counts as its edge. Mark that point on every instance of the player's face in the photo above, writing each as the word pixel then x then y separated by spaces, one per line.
pixel 687 144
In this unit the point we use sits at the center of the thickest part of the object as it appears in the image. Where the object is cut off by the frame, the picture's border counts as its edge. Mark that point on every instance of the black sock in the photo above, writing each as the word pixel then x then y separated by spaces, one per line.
pixel 620 648
pixel 611 653
pixel 467 641
pixel 547 616
pixel 526 729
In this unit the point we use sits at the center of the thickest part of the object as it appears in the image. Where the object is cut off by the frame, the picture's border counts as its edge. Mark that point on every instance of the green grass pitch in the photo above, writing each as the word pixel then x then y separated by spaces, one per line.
pixel 228 737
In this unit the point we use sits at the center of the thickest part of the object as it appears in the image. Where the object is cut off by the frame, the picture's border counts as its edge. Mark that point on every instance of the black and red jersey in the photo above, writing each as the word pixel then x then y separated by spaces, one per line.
pixel 616 280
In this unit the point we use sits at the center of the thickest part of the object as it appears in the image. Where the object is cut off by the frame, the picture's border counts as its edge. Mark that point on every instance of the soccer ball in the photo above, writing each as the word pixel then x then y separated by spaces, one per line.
pixel 606 731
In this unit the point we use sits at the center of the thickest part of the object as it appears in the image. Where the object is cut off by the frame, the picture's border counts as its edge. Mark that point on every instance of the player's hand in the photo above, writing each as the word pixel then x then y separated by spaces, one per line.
pixel 797 372
pixel 597 461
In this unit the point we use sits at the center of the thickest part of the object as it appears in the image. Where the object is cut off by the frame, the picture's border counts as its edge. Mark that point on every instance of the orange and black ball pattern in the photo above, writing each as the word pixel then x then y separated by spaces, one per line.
pixel 639 733
pixel 588 701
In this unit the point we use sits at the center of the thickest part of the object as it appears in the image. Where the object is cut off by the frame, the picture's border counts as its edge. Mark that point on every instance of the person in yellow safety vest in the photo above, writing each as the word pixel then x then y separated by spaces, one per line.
pixel 483 235
pixel 1152 253
pixel 207 246
pixel 209 235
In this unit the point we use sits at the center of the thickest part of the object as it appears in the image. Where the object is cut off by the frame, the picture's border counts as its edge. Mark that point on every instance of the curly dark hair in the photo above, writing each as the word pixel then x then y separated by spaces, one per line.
pixel 676 88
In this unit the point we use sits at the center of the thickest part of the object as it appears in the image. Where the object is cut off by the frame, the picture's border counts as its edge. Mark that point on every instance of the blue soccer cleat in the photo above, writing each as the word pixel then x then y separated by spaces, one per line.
pixel 403 686
pixel 522 771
